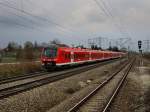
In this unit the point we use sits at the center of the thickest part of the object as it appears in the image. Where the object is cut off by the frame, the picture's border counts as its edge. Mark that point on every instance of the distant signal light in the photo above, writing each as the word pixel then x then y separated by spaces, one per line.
pixel 139 44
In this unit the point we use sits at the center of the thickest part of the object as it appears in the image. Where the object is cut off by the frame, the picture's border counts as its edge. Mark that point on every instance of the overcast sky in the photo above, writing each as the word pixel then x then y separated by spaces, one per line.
pixel 73 21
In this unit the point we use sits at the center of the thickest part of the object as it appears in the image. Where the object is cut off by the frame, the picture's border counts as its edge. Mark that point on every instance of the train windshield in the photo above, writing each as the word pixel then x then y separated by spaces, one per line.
pixel 50 52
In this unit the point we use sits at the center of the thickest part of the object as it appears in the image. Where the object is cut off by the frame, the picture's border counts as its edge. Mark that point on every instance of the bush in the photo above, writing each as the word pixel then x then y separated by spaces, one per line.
pixel 19 69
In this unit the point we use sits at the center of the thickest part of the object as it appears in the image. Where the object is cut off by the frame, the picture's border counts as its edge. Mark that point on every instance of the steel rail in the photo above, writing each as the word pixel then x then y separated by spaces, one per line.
pixel 81 102
pixel 6 92
pixel 21 77
pixel 118 88
pixel 31 75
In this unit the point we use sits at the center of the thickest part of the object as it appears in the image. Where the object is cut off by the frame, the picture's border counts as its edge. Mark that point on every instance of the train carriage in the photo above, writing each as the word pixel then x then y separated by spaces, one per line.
pixel 60 56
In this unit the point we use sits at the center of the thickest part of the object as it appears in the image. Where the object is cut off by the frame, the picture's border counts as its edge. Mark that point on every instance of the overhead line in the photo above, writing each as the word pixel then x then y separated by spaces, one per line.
pixel 110 13
pixel 112 16
pixel 23 25
pixel 35 16
pixel 101 7
pixel 106 13
pixel 18 24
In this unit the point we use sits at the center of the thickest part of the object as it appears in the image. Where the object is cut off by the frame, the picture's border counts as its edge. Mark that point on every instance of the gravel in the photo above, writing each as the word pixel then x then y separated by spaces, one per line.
pixel 43 98
pixel 75 98
pixel 130 98
pixel 134 95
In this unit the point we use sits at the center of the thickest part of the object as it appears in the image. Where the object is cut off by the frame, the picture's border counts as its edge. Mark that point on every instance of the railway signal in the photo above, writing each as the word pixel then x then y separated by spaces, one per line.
pixel 139 44
pixel 140 51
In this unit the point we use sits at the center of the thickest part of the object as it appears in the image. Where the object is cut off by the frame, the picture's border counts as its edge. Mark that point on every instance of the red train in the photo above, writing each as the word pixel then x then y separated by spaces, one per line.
pixel 59 56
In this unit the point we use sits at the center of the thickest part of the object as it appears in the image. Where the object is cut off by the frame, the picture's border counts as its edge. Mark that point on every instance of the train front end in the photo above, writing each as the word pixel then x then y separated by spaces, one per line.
pixel 49 57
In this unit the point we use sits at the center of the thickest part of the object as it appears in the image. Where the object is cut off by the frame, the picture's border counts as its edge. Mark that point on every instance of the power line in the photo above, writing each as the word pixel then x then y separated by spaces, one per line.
pixel 34 16
pixel 17 24
pixel 52 14
pixel 24 18
pixel 120 25
pixel 23 25
pixel 101 7
pixel 105 11
pixel 112 16
pixel 108 13
pixel 62 28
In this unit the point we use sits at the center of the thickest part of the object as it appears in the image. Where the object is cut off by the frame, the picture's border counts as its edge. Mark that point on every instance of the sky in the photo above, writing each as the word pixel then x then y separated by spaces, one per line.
pixel 73 21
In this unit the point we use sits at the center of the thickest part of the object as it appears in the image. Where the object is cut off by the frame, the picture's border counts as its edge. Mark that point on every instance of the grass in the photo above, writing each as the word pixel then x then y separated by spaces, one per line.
pixel 12 60
pixel 45 97
pixel 18 69
pixel 8 60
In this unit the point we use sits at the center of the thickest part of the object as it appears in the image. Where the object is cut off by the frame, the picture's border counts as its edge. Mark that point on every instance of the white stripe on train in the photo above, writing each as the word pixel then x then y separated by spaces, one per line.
pixel 79 62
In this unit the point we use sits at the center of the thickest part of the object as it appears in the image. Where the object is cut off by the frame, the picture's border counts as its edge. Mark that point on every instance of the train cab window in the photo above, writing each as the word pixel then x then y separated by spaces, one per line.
pixel 50 52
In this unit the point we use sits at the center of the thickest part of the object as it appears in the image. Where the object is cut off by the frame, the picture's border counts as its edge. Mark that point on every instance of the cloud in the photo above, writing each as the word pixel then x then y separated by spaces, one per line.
pixel 73 20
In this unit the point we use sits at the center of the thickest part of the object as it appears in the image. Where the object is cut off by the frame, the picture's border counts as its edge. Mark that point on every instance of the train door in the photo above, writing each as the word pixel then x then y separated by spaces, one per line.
pixel 72 56
pixel 90 56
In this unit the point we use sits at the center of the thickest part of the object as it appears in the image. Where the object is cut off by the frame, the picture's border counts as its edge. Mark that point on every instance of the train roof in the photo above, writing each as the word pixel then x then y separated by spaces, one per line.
pixel 86 50
pixel 68 49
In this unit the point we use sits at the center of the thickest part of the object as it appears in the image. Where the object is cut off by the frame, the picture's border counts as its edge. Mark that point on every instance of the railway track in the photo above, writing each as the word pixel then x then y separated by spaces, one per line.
pixel 35 74
pixel 21 77
pixel 100 99
pixel 45 79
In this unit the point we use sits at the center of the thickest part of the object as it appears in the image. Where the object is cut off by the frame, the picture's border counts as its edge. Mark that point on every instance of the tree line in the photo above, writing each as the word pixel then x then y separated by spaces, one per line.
pixel 28 51
pixel 32 50
pixel 21 52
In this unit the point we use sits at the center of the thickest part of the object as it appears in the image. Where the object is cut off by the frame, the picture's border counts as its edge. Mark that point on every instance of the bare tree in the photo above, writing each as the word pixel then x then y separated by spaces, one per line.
pixel 19 53
pixel 12 46
pixel 28 51
pixel 55 41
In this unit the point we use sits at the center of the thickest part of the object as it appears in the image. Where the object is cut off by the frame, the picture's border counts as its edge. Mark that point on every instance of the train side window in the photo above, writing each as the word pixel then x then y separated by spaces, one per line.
pixel 78 56
pixel 66 56
pixel 86 55
pixel 82 56
pixel 69 56
pixel 75 56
